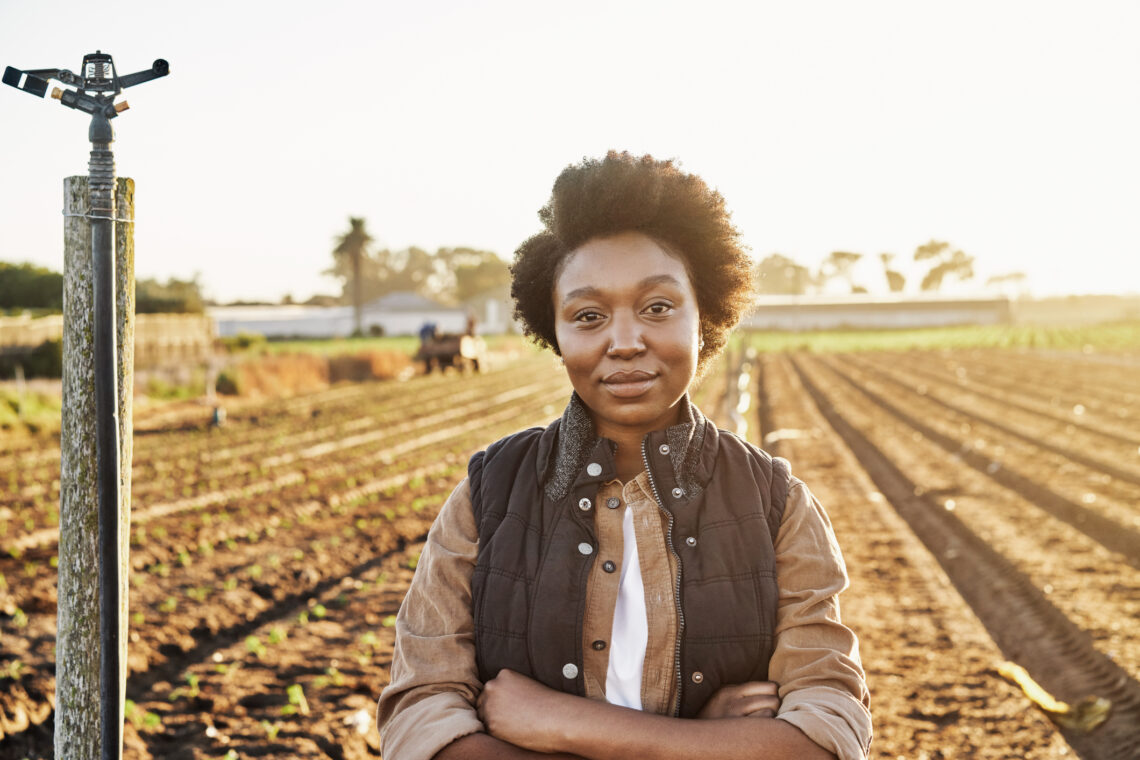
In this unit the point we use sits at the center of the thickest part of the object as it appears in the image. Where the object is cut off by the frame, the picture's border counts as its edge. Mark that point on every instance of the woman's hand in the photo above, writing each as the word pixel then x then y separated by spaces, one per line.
pixel 522 711
pixel 757 699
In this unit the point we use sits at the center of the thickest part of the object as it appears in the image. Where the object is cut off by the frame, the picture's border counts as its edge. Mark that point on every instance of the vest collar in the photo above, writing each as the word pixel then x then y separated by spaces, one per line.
pixel 571 441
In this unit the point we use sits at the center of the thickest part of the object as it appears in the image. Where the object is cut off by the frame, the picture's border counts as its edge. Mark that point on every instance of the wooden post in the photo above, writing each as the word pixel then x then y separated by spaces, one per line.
pixel 77 729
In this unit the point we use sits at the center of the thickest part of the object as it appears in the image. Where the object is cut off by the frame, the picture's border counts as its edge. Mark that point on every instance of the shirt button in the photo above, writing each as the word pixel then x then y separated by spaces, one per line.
pixel 698 676
pixel 691 540
pixel 664 448
pixel 599 645
pixel 585 549
pixel 609 566
pixel 678 493
pixel 613 502
pixel 584 505
pixel 569 670
pixel 593 469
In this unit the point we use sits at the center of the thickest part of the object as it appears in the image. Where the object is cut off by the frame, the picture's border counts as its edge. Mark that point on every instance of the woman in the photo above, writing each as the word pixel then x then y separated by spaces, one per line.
pixel 628 582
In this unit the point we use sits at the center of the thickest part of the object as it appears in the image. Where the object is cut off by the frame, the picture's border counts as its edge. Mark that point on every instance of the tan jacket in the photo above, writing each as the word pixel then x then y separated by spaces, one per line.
pixel 434 683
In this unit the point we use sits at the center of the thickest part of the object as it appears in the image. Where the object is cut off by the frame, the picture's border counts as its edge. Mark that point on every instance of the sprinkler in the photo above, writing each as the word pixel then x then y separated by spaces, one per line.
pixel 95 92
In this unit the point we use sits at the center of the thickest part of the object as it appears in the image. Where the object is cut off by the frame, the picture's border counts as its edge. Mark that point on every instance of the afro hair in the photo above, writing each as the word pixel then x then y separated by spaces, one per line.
pixel 624 193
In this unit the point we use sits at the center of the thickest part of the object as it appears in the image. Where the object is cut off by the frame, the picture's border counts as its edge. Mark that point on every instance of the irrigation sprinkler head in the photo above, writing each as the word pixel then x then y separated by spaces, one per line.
pixel 94 91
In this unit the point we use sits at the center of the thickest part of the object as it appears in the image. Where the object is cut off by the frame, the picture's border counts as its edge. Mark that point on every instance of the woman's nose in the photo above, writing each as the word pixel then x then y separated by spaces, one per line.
pixel 626 338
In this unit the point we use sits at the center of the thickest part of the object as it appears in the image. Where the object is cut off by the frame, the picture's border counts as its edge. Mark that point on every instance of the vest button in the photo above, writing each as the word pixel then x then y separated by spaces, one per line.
pixel 609 566
pixel 584 505
pixel 599 645
pixel 585 549
pixel 678 493
pixel 569 670
pixel 593 469
pixel 664 448
pixel 698 676
pixel 691 540
pixel 613 502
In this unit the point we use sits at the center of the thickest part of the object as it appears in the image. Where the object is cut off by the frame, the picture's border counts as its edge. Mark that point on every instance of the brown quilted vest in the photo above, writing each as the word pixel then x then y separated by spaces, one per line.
pixel 724 498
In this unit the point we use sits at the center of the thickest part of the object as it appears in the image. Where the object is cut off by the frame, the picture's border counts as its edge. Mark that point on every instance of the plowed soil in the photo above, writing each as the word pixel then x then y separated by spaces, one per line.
pixel 987 503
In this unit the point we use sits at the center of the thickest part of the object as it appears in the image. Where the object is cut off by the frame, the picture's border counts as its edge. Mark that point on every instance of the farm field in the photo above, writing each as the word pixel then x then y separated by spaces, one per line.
pixel 987 501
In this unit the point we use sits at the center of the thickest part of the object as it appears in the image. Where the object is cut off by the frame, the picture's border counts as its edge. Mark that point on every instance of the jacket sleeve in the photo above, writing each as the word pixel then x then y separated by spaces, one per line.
pixel 823 690
pixel 429 701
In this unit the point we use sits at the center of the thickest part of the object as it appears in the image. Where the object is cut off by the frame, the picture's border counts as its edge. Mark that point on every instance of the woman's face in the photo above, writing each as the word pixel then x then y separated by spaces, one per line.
pixel 625 315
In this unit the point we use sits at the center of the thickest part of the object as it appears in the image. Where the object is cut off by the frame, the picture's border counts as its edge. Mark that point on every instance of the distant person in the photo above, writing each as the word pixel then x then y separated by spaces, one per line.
pixel 629 581
pixel 427 332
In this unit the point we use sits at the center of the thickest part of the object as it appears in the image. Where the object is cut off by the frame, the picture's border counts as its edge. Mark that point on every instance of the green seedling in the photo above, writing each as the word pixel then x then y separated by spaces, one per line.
pixel 389 621
pixel 190 690
pixel 198 593
pixel 137 618
pixel 12 670
pixel 332 676
pixel 271 729
pixel 141 719
pixel 168 605
pixel 277 635
pixel 230 584
pixel 255 647
pixel 319 611
pixel 297 701
pixel 254 571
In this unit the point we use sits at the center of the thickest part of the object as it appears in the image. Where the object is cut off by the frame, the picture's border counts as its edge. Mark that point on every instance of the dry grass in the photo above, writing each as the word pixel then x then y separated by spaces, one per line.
pixel 286 374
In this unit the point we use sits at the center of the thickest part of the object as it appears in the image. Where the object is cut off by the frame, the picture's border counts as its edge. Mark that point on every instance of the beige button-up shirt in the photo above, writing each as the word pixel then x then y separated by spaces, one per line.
pixel 429 702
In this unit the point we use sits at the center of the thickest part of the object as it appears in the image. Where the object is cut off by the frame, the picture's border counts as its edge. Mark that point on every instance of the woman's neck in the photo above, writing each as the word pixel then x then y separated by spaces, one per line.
pixel 628 459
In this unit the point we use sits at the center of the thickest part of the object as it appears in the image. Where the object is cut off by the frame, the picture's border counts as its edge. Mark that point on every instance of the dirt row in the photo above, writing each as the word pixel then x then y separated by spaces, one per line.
pixel 211 576
pixel 983 512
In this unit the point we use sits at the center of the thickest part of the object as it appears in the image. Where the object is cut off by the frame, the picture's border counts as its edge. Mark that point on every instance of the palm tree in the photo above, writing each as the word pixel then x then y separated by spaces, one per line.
pixel 353 247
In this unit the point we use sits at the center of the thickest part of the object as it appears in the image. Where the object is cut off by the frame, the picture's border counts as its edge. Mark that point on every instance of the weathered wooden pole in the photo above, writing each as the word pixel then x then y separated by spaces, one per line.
pixel 79 733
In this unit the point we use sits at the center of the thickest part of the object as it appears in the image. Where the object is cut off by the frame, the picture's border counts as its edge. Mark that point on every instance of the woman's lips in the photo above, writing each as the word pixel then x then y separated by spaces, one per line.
pixel 628 384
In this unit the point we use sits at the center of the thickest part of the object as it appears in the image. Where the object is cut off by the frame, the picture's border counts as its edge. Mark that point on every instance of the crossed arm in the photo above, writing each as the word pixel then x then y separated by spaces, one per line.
pixel 525 719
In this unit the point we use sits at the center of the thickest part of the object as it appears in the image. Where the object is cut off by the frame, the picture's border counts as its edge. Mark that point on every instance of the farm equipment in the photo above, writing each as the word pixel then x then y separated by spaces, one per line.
pixel 443 350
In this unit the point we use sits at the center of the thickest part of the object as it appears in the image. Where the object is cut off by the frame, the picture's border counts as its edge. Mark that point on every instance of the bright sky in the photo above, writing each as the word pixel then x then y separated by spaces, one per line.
pixel 1008 129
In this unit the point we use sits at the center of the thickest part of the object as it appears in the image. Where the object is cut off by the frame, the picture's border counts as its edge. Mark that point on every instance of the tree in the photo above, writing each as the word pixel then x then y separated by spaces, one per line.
pixel 839 264
pixel 477 272
pixel 779 274
pixel 1010 283
pixel 350 251
pixel 943 264
pixel 26 286
pixel 895 279
pixel 172 297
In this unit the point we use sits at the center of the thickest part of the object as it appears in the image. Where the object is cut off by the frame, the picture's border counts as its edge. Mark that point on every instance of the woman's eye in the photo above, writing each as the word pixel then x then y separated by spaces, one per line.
pixel 587 316
pixel 660 308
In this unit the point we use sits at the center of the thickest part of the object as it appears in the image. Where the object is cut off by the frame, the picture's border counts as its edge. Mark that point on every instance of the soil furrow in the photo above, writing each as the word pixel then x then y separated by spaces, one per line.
pixel 978 389
pixel 1024 624
pixel 1071 453
pixel 929 661
pixel 1109 533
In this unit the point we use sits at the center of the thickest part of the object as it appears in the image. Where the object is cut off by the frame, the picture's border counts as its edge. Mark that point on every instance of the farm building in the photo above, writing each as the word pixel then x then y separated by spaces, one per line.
pixel 400 313
pixel 797 313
